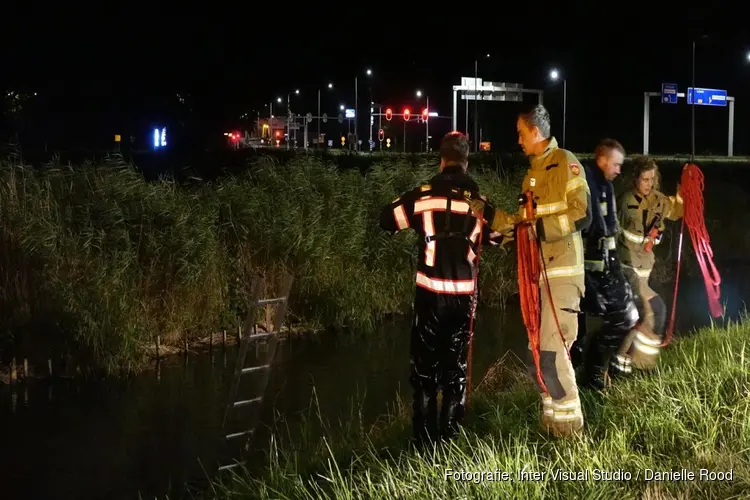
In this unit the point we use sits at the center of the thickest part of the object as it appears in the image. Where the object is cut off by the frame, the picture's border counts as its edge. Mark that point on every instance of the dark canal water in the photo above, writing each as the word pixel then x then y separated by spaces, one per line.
pixel 149 434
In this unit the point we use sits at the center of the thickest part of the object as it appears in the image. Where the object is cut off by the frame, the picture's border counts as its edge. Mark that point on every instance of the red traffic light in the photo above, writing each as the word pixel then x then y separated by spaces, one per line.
pixel 381 135
pixel 425 114
pixel 278 134
pixel 407 114
pixel 388 114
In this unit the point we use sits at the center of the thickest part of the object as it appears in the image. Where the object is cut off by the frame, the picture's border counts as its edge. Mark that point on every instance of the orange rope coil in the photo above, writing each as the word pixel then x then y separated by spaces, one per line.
pixel 692 183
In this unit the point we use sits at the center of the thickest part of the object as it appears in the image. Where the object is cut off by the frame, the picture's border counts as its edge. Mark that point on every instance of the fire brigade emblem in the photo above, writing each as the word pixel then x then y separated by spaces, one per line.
pixel 575 168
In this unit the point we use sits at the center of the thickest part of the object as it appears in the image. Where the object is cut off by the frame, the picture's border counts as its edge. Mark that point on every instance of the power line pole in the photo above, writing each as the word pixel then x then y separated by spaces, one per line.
pixel 476 105
pixel 356 114
pixel 692 113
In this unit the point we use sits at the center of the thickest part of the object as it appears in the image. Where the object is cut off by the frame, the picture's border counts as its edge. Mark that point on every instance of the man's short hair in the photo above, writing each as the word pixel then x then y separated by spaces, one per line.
pixel 538 116
pixel 606 146
pixel 454 149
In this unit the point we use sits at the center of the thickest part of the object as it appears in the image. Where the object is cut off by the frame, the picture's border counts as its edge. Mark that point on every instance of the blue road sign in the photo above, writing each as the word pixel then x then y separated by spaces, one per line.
pixel 669 93
pixel 707 97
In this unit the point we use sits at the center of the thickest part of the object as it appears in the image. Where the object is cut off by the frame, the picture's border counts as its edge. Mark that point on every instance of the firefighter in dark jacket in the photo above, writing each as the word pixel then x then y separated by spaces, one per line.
pixel 608 293
pixel 446 287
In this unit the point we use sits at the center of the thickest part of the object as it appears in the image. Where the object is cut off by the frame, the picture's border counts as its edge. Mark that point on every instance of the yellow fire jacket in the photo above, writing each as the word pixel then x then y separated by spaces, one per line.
pixel 637 215
pixel 558 184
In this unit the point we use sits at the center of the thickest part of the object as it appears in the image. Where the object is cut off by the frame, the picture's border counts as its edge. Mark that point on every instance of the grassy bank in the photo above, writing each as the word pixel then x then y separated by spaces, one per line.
pixel 691 413
pixel 96 262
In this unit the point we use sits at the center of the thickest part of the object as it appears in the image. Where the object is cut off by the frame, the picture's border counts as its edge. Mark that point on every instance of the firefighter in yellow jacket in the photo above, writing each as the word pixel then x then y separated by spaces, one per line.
pixel 643 212
pixel 561 195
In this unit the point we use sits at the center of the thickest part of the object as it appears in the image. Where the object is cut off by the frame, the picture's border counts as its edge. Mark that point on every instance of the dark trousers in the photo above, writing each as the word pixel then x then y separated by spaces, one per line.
pixel 609 295
pixel 438 352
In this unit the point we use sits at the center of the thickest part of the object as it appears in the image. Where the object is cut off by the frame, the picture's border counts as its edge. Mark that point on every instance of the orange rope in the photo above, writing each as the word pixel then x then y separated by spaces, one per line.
pixel 529 271
pixel 528 288
pixel 691 190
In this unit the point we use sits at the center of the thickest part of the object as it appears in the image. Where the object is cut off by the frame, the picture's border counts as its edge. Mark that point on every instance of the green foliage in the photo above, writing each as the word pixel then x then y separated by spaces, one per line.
pixel 96 262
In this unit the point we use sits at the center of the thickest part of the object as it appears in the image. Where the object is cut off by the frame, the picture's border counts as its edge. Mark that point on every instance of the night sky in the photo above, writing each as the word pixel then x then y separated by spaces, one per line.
pixel 94 79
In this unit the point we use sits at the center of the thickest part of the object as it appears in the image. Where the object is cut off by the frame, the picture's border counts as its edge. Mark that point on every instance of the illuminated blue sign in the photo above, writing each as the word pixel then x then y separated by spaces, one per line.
pixel 160 138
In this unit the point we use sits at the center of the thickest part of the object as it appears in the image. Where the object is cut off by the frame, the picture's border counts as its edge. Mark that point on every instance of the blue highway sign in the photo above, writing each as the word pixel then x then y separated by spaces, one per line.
pixel 669 93
pixel 707 97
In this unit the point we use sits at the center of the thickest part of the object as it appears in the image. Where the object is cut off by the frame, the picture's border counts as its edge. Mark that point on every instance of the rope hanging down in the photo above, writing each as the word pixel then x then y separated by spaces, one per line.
pixel 528 289
pixel 530 268
pixel 691 190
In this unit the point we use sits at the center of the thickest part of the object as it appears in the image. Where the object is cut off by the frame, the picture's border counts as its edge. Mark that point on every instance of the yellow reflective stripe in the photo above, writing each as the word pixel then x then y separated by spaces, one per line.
pixel 632 237
pixel 568 405
pixel 550 208
pixel 609 243
pixel 642 273
pixel 642 337
pixel 564 271
pixel 645 349
pixel 575 183
pixel 399 214
pixel 564 221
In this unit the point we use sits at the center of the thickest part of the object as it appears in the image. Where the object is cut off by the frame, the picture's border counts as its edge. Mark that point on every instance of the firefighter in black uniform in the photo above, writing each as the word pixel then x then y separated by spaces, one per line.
pixel 446 287
pixel 608 293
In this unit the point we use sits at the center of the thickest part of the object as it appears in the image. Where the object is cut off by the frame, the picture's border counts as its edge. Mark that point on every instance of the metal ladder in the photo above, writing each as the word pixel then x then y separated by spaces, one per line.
pixel 256 375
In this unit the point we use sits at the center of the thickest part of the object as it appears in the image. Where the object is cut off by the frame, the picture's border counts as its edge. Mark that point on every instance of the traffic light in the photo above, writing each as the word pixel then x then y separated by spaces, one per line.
pixel 388 114
pixel 407 114
pixel 381 134
pixel 343 140
pixel 278 134
pixel 388 142
pixel 425 114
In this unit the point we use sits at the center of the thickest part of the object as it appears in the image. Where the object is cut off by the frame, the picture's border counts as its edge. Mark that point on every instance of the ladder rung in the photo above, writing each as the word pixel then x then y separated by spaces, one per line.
pixel 246 402
pixel 239 434
pixel 263 302
pixel 251 369
pixel 227 467
pixel 260 335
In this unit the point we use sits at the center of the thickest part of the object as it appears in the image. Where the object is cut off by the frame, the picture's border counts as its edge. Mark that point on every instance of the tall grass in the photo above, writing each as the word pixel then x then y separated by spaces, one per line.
pixel 96 262
pixel 691 413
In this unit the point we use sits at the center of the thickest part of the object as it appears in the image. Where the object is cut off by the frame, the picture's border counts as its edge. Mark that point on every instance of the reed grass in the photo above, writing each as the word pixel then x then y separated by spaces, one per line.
pixel 96 262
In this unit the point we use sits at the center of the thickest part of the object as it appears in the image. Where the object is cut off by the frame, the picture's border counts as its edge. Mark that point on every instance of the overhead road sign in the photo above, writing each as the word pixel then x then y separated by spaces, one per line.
pixel 707 97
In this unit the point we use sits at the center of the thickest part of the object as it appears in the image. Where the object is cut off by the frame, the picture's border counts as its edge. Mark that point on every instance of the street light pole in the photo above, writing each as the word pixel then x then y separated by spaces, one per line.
pixel 356 114
pixel 288 121
pixel 427 128
pixel 692 113
pixel 318 138
pixel 476 104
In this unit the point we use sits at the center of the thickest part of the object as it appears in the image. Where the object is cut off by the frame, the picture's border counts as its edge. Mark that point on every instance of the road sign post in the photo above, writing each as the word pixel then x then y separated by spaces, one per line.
pixel 704 97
